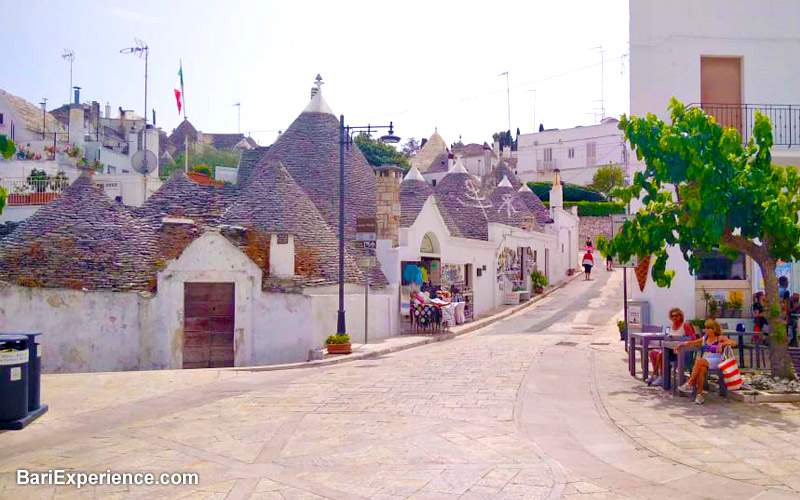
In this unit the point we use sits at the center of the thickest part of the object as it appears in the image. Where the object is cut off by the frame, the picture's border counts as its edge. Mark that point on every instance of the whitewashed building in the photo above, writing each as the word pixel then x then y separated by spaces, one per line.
pixel 576 152
pixel 730 57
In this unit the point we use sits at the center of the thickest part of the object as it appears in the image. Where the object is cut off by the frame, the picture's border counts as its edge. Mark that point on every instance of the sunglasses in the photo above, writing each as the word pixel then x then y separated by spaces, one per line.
pixel 675 316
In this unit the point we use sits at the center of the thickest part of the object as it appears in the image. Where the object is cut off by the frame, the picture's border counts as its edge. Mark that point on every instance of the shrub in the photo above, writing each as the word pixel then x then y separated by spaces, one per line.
pixel 572 192
pixel 339 338
pixel 538 279
pixel 594 208
pixel 203 169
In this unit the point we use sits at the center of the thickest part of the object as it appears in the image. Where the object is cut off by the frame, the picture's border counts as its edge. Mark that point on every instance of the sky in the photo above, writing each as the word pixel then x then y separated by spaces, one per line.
pixel 422 65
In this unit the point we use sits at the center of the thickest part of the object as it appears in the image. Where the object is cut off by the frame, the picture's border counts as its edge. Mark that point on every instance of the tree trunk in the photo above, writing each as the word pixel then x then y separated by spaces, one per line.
pixel 780 359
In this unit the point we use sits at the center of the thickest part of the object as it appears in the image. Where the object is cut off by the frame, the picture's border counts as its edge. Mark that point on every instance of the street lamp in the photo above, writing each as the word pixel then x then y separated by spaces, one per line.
pixel 346 139
pixel 142 50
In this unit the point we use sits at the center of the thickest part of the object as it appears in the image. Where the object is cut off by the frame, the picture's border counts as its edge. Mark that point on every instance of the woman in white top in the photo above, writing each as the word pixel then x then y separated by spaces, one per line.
pixel 678 329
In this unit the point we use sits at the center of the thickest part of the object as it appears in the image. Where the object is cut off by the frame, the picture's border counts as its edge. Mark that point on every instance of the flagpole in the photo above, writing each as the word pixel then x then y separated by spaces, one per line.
pixel 186 136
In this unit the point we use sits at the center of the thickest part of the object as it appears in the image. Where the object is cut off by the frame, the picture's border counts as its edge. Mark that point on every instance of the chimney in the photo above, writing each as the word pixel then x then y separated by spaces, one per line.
pixel 77 95
pixel 388 204
pixel 487 158
pixel 108 110
pixel 556 193
pixel 95 116
pixel 281 255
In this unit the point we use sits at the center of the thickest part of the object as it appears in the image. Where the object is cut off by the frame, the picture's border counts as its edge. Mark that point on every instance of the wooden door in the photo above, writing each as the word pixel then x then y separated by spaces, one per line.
pixel 721 89
pixel 209 310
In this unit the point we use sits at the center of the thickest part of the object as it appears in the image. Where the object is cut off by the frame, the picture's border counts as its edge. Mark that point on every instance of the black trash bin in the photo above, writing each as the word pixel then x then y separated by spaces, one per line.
pixel 34 368
pixel 13 377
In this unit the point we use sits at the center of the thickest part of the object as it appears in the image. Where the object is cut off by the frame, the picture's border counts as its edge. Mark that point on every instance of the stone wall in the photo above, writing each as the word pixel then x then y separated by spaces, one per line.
pixel 388 205
pixel 592 227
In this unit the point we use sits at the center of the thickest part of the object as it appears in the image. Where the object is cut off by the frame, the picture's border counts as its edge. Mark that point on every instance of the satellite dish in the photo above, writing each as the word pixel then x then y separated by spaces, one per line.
pixel 144 162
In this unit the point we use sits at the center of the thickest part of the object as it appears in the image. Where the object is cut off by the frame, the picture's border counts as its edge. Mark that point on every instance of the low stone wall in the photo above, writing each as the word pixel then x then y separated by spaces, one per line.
pixel 592 227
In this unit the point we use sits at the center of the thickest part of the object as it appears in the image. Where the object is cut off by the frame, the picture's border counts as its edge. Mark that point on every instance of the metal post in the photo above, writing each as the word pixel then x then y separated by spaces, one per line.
pixel 624 333
pixel 340 320
pixel 366 306
pixel 146 165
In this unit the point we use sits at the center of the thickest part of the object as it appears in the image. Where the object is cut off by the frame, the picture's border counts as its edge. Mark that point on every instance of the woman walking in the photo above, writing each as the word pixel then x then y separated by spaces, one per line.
pixel 588 262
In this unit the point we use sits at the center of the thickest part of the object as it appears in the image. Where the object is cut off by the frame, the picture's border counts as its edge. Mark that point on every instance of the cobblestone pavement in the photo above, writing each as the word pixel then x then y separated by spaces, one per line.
pixel 539 405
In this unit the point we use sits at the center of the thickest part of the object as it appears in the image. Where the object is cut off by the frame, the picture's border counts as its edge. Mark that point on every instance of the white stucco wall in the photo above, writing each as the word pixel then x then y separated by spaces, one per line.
pixel 283 328
pixel 18 213
pixel 81 331
pixel 210 259
pixel 226 174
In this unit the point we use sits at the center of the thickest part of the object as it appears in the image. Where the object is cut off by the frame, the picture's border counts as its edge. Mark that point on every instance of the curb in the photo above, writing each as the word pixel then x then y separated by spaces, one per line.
pixel 475 325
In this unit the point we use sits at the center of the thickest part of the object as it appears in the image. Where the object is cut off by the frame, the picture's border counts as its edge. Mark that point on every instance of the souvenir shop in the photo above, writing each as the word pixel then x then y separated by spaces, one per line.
pixel 514 267
pixel 442 283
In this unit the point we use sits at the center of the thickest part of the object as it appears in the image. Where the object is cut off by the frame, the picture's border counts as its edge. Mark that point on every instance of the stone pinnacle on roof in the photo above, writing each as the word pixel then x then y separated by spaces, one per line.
pixel 505 182
pixel 318 104
pixel 524 189
pixel 413 175
pixel 458 168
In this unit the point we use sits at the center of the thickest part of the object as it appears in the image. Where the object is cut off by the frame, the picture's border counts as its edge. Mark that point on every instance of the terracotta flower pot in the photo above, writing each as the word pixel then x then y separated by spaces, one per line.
pixel 340 348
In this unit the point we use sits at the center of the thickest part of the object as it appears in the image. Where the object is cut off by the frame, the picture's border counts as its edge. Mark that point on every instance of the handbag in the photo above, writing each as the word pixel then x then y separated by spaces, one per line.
pixel 730 370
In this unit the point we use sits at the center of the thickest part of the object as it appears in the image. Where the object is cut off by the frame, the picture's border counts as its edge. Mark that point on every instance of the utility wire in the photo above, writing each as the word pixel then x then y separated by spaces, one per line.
pixel 469 98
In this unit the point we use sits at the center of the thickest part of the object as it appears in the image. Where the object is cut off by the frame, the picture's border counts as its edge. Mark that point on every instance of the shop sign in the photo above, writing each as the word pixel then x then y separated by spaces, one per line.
pixel 371 245
pixel 367 262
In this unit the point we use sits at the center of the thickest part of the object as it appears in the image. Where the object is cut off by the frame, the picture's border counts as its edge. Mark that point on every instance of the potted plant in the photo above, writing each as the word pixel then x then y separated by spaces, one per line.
pixel 538 281
pixel 736 307
pixel 339 344
pixel 713 308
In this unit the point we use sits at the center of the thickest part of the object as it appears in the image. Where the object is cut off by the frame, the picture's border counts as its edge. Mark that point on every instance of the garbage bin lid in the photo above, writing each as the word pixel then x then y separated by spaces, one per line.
pixel 27 334
pixel 11 337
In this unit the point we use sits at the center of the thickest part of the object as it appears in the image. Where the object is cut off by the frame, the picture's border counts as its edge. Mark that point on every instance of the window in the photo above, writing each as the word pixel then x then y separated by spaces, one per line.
pixel 1 118
pixel 591 154
pixel 548 154
pixel 434 182
pixel 571 153
pixel 717 266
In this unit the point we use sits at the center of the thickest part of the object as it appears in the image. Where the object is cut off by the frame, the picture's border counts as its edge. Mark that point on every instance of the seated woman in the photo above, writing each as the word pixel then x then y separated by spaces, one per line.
pixel 712 344
pixel 677 329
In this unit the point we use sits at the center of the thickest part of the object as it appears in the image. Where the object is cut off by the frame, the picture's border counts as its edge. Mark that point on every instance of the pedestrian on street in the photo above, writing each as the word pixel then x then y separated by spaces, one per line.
pixel 589 247
pixel 609 263
pixel 588 262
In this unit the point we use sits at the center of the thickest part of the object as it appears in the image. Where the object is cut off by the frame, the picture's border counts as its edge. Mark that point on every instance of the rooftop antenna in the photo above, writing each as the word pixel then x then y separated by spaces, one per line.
pixel 239 116
pixel 602 82
pixel 142 50
pixel 508 98
pixel 69 56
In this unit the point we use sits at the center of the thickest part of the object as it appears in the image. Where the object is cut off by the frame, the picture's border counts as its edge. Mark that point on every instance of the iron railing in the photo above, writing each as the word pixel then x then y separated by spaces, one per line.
pixel 785 119
pixel 33 191
pixel 25 192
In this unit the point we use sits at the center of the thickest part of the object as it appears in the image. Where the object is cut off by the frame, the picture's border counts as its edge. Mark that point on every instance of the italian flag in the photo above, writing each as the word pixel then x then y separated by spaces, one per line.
pixel 179 88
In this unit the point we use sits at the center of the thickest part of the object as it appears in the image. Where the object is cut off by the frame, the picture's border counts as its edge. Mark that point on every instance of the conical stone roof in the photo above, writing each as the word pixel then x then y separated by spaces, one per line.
pixel 309 149
pixel 427 156
pixel 82 240
pixel 414 191
pixel 535 205
pixel 274 203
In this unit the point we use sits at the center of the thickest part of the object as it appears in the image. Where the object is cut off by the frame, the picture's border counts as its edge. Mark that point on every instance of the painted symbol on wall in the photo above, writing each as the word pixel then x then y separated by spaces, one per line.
pixel 507 205
pixel 475 198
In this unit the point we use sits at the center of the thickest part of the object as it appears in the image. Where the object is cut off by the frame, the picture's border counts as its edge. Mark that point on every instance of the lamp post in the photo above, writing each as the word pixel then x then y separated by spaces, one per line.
pixel 345 140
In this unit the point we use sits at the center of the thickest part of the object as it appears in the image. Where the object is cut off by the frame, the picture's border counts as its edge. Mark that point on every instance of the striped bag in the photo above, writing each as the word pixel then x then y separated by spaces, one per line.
pixel 730 370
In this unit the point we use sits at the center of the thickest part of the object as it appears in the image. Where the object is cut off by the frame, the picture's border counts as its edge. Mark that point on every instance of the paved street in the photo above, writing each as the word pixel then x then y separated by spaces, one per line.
pixel 538 405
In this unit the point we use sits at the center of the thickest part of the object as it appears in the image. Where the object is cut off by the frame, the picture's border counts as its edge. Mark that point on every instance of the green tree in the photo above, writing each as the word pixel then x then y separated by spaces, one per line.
pixel 702 188
pixel 411 146
pixel 379 153
pixel 3 198
pixel 7 147
pixel 205 156
pixel 607 178
pixel 505 140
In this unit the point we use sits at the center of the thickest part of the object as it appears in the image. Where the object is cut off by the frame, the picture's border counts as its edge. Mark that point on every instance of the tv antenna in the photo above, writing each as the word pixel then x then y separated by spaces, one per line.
pixel 238 116
pixel 142 50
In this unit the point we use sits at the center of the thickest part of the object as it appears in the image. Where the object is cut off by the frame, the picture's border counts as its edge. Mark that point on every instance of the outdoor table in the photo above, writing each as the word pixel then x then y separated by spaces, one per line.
pixel 670 347
pixel 644 339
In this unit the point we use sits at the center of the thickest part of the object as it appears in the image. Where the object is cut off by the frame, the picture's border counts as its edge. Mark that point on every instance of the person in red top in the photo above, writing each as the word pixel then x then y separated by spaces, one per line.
pixel 588 262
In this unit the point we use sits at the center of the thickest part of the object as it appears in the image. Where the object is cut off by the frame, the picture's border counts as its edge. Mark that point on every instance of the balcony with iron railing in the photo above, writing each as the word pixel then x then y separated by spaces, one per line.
pixel 785 120
pixel 29 192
